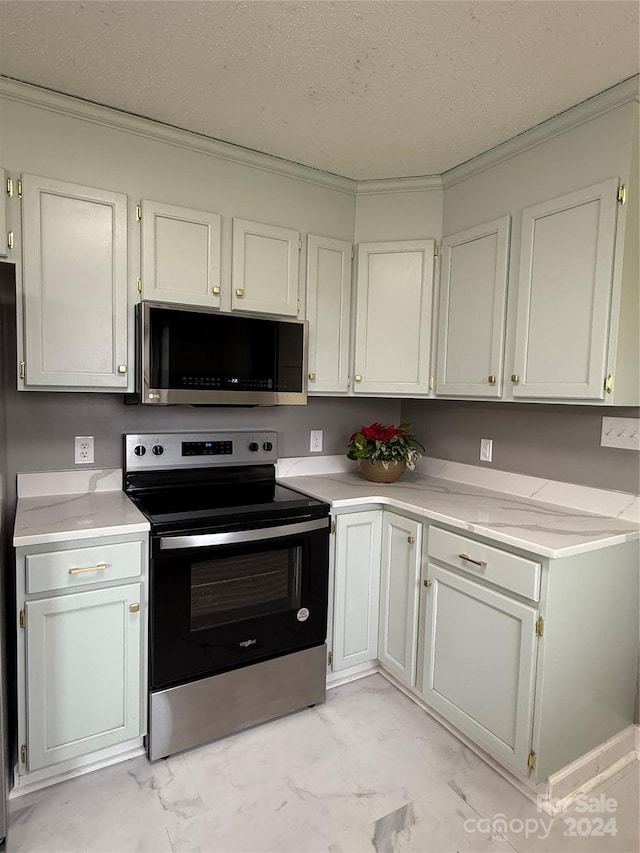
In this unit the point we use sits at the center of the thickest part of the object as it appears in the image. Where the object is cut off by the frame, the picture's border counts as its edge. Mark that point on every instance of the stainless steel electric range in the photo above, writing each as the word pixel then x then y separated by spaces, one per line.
pixel 238 585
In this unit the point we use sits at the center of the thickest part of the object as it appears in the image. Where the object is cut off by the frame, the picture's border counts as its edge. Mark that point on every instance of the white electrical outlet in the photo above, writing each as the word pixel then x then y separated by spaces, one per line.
pixel 486 449
pixel 315 443
pixel 84 449
pixel 621 432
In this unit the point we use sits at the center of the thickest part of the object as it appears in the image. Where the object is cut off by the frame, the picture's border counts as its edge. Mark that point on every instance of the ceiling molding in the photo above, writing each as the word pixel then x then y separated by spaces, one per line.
pixel 395 185
pixel 610 99
pixel 78 108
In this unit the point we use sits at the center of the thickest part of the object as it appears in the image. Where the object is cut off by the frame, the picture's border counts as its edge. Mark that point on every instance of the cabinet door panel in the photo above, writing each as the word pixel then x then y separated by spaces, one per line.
pixel 480 664
pixel 473 302
pixel 329 313
pixel 357 588
pixel 180 254
pixel 564 293
pixel 400 577
pixel 75 285
pixel 265 268
pixel 83 673
pixel 393 324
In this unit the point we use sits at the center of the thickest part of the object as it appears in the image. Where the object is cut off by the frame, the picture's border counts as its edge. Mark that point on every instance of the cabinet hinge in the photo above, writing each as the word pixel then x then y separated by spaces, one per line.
pixel 19 188
pixel 10 240
pixel 622 194
pixel 21 367
pixel 23 753
pixel 333 526
pixel 299 244
pixel 22 619
pixel 531 760
pixel 539 626
pixel 608 384
pixel 330 659
pixel 9 187
pixel 138 212
pixel 139 285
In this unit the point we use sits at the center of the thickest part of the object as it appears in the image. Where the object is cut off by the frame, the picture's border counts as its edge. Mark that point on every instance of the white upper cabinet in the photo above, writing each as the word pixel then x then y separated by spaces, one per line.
pixel 264 271
pixel 74 286
pixel 473 300
pixel 180 255
pixel 564 295
pixel 328 313
pixel 393 318
pixel 3 215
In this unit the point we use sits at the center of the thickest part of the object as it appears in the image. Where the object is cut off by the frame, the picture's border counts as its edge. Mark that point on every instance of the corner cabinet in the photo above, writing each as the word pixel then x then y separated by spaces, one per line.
pixel 393 318
pixel 264 272
pixel 81 652
pixel 472 310
pixel 329 314
pixel 74 264
pixel 180 255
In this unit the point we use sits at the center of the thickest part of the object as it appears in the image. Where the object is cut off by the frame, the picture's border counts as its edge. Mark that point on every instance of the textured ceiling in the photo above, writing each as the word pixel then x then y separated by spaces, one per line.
pixel 367 89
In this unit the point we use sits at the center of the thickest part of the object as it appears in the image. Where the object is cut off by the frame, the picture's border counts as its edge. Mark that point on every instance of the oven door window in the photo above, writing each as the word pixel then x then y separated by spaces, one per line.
pixel 235 587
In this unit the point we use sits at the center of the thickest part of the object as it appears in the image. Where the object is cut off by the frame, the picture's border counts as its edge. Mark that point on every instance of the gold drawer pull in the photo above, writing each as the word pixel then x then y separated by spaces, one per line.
pixel 427 583
pixel 216 289
pixel 134 608
pixel 491 380
pixel 358 378
pixel 122 368
pixel 515 378
pixel 239 292
pixel 99 568
pixel 466 557
pixel 312 376
pixel 411 540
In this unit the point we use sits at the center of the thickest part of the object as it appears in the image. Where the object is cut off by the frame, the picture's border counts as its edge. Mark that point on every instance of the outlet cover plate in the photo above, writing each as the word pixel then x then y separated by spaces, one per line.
pixel 315 441
pixel 84 450
pixel 486 449
pixel 621 432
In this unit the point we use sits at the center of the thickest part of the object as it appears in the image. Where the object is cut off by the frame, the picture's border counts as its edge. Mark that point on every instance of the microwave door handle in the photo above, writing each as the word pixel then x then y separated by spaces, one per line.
pixel 209 540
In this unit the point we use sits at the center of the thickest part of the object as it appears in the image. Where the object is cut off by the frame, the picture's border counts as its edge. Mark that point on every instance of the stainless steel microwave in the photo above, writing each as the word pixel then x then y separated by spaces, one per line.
pixel 203 357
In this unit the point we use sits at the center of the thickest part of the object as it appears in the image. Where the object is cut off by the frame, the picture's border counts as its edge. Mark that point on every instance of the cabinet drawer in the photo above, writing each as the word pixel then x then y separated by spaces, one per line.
pixel 501 568
pixel 71 569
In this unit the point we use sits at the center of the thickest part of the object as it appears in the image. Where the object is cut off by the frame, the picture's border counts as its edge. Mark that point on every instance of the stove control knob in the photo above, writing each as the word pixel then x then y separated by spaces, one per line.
pixel 267 446
pixel 253 446
pixel 157 450
pixel 139 450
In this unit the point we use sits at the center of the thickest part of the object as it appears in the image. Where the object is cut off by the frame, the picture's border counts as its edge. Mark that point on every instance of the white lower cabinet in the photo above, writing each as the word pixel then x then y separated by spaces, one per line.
pixel 399 595
pixel 357 588
pixel 81 651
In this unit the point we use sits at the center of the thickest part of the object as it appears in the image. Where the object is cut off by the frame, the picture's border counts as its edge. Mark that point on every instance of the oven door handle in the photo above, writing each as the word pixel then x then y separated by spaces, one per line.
pixel 207 540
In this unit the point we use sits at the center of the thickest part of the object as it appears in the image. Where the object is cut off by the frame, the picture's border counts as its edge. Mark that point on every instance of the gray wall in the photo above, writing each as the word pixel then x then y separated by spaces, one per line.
pixel 555 442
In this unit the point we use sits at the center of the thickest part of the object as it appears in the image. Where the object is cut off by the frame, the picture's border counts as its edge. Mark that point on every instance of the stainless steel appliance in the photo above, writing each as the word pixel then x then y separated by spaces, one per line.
pixel 238 585
pixel 199 356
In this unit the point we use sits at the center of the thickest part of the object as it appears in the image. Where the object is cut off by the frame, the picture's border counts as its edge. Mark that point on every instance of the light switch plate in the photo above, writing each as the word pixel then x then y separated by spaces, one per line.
pixel 621 432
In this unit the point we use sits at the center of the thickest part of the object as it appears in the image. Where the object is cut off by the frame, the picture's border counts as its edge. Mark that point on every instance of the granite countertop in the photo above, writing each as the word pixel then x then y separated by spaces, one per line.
pixel 67 517
pixel 544 529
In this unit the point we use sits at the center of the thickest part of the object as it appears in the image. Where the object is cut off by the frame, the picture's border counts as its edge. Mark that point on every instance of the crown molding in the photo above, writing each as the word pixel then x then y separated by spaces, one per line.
pixel 395 185
pixel 78 108
pixel 610 99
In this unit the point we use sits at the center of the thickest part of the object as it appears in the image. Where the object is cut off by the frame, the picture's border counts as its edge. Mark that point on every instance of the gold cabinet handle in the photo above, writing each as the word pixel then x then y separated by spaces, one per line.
pixel 468 559
pixel 122 368
pixel 239 292
pixel 608 384
pixel 134 608
pixel 358 378
pixel 515 378
pixel 99 568
pixel 312 376
pixel 491 380
pixel 411 540
pixel 216 289
pixel 426 583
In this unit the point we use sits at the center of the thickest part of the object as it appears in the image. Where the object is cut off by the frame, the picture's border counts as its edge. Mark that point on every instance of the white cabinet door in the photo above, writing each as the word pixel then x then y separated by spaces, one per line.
pixel 75 285
pixel 564 294
pixel 83 673
pixel 393 317
pixel 399 595
pixel 264 268
pixel 3 214
pixel 357 588
pixel 473 301
pixel 479 664
pixel 328 313
pixel 180 255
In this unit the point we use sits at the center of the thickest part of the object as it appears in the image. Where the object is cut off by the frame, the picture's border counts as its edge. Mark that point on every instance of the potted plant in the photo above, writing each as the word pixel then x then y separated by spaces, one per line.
pixel 384 452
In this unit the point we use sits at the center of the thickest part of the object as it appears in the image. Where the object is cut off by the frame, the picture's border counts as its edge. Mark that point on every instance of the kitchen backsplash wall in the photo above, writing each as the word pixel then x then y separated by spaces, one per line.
pixel 548 441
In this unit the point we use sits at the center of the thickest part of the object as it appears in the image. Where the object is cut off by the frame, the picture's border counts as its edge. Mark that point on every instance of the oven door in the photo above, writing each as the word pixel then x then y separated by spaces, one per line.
pixel 223 600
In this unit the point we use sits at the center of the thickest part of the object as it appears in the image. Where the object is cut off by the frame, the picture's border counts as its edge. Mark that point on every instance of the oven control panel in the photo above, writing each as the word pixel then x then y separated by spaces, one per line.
pixel 155 451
